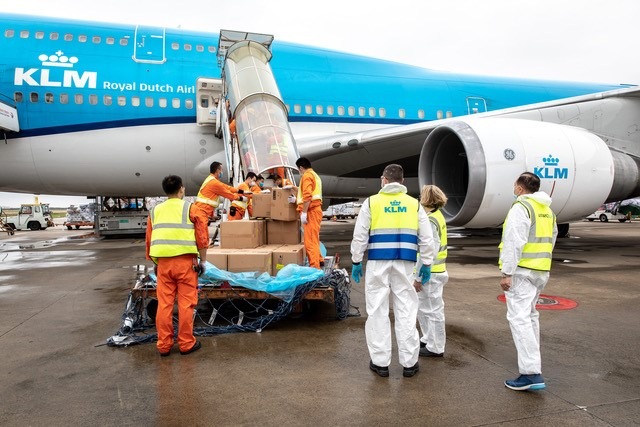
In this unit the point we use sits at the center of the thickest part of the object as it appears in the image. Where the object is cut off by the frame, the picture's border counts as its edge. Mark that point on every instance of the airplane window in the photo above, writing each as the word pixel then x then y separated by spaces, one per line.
pixel 64 98
pixel 372 112
pixel 107 100
pixel 148 101
pixel 351 111
pixel 82 38
pixel 96 39
pixel 319 110
pixel 110 40
pixel 162 102
pixel 122 101
pixel 135 101
pixel 382 112
pixel 439 114
pixel 78 98
pixel 402 113
pixel 54 36
pixel 175 102
pixel 39 35
pixel 421 114
pixel 361 111
pixel 48 97
pixel 17 96
pixel 188 103
pixel 200 48
pixel 124 41
pixel 330 110
pixel 187 47
pixel 297 108
pixel 24 34
pixel 34 97
pixel 212 49
pixel 68 37
pixel 340 110
pixel 175 46
pixel 93 99
pixel 308 109
pixel 9 33
pixel 449 114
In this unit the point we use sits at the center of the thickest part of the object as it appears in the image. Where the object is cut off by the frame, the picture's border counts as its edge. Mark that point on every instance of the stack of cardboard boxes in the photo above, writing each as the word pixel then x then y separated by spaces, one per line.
pixel 263 245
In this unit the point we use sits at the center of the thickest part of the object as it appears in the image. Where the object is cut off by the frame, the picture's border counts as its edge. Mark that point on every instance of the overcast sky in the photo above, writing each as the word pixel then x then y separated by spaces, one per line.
pixel 574 40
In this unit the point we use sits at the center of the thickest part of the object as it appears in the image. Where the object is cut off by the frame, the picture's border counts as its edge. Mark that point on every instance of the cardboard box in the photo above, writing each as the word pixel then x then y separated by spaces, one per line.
pixel 281 209
pixel 242 234
pixel 283 232
pixel 287 254
pixel 218 257
pixel 259 259
pixel 261 205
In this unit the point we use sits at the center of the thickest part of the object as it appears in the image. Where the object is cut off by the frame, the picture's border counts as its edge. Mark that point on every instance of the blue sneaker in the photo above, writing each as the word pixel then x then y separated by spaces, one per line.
pixel 526 382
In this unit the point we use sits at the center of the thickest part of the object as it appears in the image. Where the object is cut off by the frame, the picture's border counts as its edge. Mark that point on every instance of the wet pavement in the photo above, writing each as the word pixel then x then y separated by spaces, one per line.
pixel 62 294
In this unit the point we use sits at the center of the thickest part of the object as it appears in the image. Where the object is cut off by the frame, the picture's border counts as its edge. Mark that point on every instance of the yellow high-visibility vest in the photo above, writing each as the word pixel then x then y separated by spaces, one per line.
pixel 317 191
pixel 202 198
pixel 439 265
pixel 394 227
pixel 172 232
pixel 536 253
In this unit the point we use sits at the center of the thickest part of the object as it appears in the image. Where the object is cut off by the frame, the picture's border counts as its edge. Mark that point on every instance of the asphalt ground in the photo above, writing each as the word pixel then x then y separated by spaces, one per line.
pixel 62 294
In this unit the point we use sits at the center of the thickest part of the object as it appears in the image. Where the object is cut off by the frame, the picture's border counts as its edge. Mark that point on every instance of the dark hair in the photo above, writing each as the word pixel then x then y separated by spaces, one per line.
pixel 260 178
pixel 251 175
pixel 393 173
pixel 214 167
pixel 303 162
pixel 529 181
pixel 171 184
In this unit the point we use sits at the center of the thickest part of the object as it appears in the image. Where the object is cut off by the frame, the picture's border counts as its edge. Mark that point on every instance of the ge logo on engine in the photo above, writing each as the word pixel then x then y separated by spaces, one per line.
pixel 509 154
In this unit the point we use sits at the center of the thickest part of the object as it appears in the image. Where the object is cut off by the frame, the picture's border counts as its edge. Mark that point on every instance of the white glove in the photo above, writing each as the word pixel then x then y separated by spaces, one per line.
pixel 303 217
pixel 291 199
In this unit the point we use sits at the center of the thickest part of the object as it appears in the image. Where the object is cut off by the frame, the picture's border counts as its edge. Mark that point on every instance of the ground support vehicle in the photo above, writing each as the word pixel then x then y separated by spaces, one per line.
pixel 31 216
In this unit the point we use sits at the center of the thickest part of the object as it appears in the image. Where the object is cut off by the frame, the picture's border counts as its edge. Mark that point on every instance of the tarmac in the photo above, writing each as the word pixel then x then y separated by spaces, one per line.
pixel 62 294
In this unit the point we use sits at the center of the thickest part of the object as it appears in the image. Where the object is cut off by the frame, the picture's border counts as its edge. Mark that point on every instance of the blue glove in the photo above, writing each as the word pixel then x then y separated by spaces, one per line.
pixel 425 273
pixel 356 272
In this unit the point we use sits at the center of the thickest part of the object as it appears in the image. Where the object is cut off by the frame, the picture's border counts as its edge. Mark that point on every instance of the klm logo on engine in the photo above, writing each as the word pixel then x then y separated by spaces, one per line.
pixel 550 170
pixel 60 75
pixel 395 207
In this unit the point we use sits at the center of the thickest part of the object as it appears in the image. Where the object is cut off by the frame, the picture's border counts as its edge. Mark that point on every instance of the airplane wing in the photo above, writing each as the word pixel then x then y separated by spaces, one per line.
pixel 586 150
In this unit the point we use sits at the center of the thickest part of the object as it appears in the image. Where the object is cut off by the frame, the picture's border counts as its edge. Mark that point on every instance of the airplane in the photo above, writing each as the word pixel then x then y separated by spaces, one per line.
pixel 110 109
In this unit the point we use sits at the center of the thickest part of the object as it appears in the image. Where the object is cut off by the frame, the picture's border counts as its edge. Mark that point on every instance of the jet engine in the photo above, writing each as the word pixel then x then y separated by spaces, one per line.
pixel 475 161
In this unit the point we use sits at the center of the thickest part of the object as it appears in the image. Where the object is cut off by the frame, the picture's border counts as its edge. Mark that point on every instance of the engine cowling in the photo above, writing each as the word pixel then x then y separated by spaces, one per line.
pixel 475 161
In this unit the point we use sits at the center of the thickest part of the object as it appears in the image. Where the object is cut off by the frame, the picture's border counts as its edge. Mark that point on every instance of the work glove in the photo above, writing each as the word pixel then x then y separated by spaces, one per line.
pixel 425 273
pixel 200 268
pixel 303 217
pixel 356 272
pixel 291 199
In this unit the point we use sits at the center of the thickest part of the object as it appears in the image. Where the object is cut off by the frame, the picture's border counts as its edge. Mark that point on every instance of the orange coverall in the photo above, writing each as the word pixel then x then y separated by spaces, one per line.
pixel 240 211
pixel 212 190
pixel 176 276
pixel 314 219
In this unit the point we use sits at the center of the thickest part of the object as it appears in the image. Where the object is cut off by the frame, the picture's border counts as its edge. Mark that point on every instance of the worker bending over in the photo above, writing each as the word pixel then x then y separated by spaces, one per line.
pixel 212 189
pixel 239 207
pixel 310 207
pixel 177 235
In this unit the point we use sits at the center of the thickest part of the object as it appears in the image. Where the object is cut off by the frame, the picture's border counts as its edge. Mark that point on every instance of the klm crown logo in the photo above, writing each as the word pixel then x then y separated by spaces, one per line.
pixel 395 207
pixel 550 170
pixel 57 60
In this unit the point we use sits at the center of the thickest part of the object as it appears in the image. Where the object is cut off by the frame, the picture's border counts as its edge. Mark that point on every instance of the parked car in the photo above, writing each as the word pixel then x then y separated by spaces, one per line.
pixel 605 215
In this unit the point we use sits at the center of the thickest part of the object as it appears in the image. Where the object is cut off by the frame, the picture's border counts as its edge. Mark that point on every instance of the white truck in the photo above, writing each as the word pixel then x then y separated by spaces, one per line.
pixel 35 216
pixel 342 211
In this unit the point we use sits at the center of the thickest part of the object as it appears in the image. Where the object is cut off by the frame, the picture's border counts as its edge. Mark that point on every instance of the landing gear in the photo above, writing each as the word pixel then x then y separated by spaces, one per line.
pixel 563 230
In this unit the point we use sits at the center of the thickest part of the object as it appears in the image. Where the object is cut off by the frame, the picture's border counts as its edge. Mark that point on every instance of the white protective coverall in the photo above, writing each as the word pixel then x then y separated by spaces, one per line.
pixel 431 304
pixel 395 276
pixel 526 285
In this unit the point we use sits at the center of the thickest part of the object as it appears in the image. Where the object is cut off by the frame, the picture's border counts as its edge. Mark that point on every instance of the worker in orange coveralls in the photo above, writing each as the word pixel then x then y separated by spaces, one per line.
pixel 177 235
pixel 239 207
pixel 255 188
pixel 212 188
pixel 310 207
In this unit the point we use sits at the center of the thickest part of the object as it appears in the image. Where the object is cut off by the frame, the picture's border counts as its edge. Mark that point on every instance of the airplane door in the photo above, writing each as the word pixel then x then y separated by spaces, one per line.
pixel 149 45
pixel 476 105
